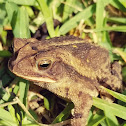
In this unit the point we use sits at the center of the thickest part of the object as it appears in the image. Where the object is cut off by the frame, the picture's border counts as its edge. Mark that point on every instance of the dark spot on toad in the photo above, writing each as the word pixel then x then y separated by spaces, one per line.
pixel 112 85
pixel 78 115
pixel 66 90
pixel 34 48
pixel 80 93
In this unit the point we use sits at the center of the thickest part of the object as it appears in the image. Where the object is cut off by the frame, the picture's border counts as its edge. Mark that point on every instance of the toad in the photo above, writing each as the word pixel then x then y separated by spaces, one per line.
pixel 70 67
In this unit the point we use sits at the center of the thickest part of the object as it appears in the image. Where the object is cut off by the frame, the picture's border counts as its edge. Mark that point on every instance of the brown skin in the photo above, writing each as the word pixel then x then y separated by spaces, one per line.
pixel 70 67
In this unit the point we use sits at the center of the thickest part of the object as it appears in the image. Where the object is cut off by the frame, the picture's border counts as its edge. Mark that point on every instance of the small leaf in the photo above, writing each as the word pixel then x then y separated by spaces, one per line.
pixel 46 103
pixel 49 100
pixel 5 53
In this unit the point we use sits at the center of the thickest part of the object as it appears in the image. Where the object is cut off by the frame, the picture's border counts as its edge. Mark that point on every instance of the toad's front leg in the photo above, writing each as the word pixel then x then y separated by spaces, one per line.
pixel 80 97
pixel 82 103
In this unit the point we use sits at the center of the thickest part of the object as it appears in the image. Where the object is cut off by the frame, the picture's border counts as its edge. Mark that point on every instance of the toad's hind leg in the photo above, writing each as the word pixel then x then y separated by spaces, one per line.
pixel 81 109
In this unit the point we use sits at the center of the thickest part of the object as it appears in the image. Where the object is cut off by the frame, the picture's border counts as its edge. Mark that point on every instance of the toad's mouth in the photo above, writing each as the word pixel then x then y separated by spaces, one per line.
pixel 38 79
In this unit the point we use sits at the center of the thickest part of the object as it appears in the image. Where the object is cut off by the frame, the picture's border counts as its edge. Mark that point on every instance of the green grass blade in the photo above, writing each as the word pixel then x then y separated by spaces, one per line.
pixel 3 36
pixel 16 89
pixel 5 53
pixel 117 20
pixel 5 97
pixel 110 118
pixel 46 103
pixel 2 16
pixel 118 5
pixel 12 112
pixel 67 9
pixel 24 2
pixel 6 116
pixel 116 95
pixel 99 18
pixel 73 22
pixel 97 119
pixel 116 109
pixel 115 28
pixel 124 124
pixel 120 52
pixel 106 42
pixel 19 20
pixel 12 10
pixel 24 23
pixel 64 114
pixel 99 14
pixel 124 73
pixel 123 2
pixel 30 11
pixel 106 2
pixel 23 88
pixel 48 17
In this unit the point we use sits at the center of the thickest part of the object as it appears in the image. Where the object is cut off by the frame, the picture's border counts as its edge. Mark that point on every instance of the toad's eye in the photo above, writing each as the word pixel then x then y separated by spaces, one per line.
pixel 43 64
